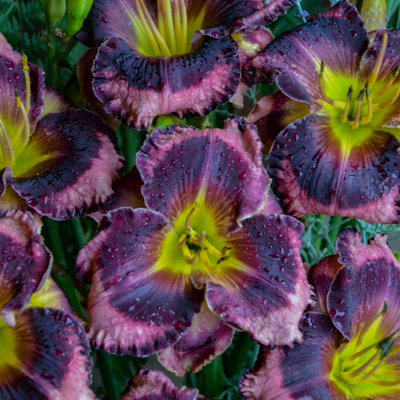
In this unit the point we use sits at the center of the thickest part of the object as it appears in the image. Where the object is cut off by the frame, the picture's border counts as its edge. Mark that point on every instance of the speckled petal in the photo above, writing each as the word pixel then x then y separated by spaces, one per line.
pixel 338 36
pixel 76 160
pixel 263 289
pixel 321 276
pixel 50 360
pixel 300 373
pixel 24 262
pixel 134 308
pixel 135 88
pixel 223 167
pixel 311 174
pixel 12 79
pixel 273 113
pixel 207 338
pixel 149 384
pixel 370 277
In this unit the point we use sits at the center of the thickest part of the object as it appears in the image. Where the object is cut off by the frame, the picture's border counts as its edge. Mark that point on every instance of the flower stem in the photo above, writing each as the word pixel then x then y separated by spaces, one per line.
pixel 107 375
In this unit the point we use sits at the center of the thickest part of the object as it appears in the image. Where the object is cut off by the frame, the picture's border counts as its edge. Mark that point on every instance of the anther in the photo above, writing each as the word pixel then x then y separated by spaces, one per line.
pixel 343 117
pixel 356 123
pixel 379 60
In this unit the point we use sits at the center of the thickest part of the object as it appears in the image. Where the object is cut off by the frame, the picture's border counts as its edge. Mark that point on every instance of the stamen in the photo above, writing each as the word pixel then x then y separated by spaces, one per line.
pixel 379 60
pixel 169 24
pixel 25 137
pixel 182 240
pixel 3 149
pixel 356 123
pixel 367 119
pixel 382 106
pixel 191 214
pixel 206 260
pixel 188 256
pixel 380 92
pixel 211 249
pixel 177 25
pixel 6 148
pixel 25 68
pixel 200 239
pixel 381 382
pixel 343 117
pixel 335 103
pixel 185 45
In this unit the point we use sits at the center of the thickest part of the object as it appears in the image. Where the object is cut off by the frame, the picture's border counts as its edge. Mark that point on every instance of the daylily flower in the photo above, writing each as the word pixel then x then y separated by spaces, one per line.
pixel 44 352
pixel 338 155
pixel 155 384
pixel 199 259
pixel 170 56
pixel 350 348
pixel 56 160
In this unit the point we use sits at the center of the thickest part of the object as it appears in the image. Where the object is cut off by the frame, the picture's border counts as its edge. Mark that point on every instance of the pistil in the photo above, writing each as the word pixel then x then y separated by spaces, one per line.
pixel 356 123
pixel 343 117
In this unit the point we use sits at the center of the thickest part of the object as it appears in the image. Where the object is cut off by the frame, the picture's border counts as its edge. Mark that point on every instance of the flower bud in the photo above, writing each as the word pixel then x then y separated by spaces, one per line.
pixel 77 11
pixel 54 10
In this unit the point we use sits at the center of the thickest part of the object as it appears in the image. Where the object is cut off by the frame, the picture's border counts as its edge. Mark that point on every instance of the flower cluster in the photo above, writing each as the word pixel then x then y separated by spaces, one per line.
pixel 200 238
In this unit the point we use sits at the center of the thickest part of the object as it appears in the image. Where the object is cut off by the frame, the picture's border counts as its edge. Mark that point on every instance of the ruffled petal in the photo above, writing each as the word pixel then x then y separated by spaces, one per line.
pixel 149 384
pixel 68 165
pixel 85 78
pixel 207 338
pixel 300 373
pixel 134 307
pixel 273 113
pixel 321 276
pixel 53 101
pixel 12 80
pixel 135 88
pixel 313 173
pixel 338 36
pixel 367 283
pixel 24 262
pixel 49 358
pixel 263 289
pixel 219 169
pixel 272 205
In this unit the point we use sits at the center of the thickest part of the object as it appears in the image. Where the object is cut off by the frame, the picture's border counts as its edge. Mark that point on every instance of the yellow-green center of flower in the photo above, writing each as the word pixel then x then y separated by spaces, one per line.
pixel 14 137
pixel 7 346
pixel 170 32
pixel 362 367
pixel 356 106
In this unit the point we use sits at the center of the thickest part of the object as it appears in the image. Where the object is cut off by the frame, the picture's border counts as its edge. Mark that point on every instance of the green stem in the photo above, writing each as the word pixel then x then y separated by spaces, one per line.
pixel 55 242
pixel 233 363
pixel 107 375
pixel 79 233
pixel 335 227
pixel 213 378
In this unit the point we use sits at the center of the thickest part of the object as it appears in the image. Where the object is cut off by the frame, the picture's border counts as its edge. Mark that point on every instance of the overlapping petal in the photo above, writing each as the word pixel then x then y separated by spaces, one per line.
pixel 149 384
pixel 221 169
pixel 264 289
pixel 135 307
pixel 365 285
pixel 207 338
pixel 312 171
pixel 338 36
pixel 135 88
pixel 24 263
pixel 68 165
pixel 298 373
pixel 48 357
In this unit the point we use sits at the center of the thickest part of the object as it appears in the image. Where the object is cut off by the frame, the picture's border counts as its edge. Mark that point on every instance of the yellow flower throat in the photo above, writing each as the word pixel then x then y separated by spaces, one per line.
pixel 170 33
pixel 362 368
pixel 373 97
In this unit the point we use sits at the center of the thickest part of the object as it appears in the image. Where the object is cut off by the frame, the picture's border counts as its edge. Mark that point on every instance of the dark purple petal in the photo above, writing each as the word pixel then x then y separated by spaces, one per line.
pixel 133 307
pixel 298 373
pixel 78 160
pixel 52 358
pixel 263 289
pixel 207 338
pixel 313 175
pixel 220 169
pixel 367 283
pixel 149 384
pixel 135 88
pixel 24 262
